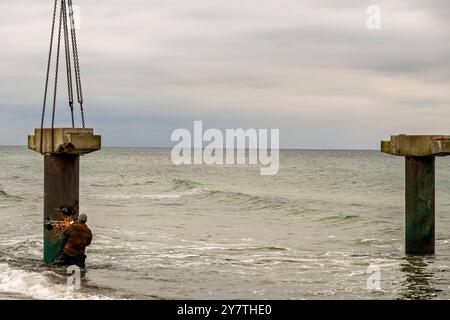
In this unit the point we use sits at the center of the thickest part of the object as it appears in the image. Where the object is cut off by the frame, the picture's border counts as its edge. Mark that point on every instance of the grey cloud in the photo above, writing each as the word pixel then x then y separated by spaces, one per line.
pixel 310 68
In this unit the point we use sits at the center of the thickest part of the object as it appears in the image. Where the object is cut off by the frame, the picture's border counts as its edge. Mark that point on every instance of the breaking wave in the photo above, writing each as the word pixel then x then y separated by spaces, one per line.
pixel 21 284
pixel 156 196
pixel 179 188
pixel 6 195
pixel 184 183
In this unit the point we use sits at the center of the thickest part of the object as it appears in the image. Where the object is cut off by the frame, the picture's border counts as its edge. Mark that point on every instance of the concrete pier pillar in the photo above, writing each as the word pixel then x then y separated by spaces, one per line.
pixel 61 148
pixel 61 198
pixel 419 205
pixel 419 153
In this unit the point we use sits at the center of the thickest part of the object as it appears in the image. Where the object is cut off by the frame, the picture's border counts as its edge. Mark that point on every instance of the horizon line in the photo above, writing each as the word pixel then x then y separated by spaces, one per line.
pixel 151 147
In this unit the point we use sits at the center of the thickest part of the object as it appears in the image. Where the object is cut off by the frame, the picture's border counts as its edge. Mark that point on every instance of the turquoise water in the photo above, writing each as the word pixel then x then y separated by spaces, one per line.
pixel 166 232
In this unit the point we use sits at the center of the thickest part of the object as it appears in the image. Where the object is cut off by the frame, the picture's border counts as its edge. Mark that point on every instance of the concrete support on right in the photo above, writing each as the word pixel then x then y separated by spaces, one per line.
pixel 419 153
pixel 419 204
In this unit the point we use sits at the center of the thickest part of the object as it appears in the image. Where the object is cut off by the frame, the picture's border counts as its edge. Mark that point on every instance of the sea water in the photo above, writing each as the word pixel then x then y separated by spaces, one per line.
pixel 161 231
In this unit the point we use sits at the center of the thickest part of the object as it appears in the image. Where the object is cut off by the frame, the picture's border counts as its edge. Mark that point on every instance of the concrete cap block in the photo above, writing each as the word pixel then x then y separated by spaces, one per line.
pixel 65 141
pixel 417 145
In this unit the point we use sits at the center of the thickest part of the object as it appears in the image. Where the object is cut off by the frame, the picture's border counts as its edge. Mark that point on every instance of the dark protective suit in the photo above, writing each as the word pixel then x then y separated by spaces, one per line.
pixel 79 236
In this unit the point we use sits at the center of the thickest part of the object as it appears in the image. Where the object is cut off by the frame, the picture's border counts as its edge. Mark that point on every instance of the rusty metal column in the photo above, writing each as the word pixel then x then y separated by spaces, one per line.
pixel 61 198
pixel 419 203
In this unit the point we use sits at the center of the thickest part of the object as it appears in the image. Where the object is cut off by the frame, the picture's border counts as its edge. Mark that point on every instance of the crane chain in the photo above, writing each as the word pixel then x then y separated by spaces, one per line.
pixel 48 72
pixel 69 40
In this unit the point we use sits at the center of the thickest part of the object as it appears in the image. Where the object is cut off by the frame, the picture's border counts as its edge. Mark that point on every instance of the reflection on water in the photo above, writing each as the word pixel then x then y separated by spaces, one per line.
pixel 418 284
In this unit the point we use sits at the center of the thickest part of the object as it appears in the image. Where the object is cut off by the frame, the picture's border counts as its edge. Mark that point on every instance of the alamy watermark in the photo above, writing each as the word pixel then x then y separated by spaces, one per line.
pixel 235 146
pixel 374 280
pixel 374 18
pixel 74 17
pixel 74 278
pixel 76 12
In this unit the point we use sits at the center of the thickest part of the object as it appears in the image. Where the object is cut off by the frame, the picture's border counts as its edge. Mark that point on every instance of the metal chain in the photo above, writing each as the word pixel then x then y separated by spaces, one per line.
pixel 68 61
pixel 56 77
pixel 76 61
pixel 48 73
pixel 68 41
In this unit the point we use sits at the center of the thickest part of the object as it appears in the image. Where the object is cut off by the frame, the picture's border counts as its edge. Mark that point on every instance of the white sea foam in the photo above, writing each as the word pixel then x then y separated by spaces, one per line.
pixel 159 196
pixel 16 283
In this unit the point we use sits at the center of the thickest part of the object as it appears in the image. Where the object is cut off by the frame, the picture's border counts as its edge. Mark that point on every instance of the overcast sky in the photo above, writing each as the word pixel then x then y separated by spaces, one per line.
pixel 309 68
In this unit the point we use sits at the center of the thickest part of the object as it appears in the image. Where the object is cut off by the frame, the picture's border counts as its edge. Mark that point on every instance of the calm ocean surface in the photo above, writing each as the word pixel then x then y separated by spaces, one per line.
pixel 222 232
